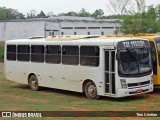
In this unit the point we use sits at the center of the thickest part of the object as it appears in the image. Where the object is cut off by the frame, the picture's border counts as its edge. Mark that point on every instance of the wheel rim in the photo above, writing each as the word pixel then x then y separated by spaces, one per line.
pixel 34 83
pixel 92 91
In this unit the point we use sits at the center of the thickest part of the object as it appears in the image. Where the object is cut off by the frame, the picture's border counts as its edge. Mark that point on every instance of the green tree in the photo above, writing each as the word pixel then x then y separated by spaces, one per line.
pixel 10 14
pixel 41 15
pixel 81 13
pixel 50 14
pixel 84 13
pixel 141 20
pixel 157 8
pixel 98 13
pixel 32 14
pixel 71 13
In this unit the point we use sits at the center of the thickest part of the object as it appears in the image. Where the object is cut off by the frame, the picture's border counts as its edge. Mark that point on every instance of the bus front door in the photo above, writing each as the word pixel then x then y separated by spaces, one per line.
pixel 110 72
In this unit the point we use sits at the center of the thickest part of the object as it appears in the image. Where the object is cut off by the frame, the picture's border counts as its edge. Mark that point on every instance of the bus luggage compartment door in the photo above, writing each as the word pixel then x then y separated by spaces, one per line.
pixel 110 72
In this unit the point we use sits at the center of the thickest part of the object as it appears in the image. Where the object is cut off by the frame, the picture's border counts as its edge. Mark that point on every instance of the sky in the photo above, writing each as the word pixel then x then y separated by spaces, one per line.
pixel 61 6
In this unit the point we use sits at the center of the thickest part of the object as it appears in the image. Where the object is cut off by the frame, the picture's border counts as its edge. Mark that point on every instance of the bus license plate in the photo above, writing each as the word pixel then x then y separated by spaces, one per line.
pixel 139 91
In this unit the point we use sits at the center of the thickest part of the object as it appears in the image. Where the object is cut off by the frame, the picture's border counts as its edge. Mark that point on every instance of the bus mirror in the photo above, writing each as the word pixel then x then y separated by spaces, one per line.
pixel 117 56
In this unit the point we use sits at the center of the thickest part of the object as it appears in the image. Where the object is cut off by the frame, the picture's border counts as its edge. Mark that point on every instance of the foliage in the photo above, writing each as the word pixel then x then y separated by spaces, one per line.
pixel 50 14
pixel 41 15
pixel 157 9
pixel 32 14
pixel 1 51
pixel 120 7
pixel 98 13
pixel 83 13
pixel 9 14
pixel 71 13
pixel 141 20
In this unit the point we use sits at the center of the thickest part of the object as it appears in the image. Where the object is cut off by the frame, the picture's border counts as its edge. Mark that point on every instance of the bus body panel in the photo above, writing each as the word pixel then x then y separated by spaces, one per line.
pixel 55 76
pixel 70 77
pixel 15 72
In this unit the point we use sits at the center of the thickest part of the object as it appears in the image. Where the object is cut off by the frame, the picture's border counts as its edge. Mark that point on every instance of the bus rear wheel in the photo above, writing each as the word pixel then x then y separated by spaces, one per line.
pixel 91 91
pixel 33 83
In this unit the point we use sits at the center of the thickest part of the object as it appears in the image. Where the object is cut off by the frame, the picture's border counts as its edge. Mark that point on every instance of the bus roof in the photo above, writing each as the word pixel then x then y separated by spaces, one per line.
pixel 140 35
pixel 88 41
pixel 149 37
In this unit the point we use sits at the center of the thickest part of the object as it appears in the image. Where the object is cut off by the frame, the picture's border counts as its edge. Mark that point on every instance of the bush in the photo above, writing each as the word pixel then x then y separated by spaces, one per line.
pixel 1 51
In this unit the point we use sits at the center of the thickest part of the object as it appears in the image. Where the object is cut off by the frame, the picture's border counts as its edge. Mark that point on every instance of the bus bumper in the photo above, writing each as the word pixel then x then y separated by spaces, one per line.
pixel 134 91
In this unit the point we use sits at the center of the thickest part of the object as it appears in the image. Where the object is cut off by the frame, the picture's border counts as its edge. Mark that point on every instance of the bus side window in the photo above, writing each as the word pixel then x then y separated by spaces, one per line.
pixel 53 54
pixel 23 53
pixel 37 53
pixel 11 52
pixel 89 56
pixel 70 55
pixel 63 50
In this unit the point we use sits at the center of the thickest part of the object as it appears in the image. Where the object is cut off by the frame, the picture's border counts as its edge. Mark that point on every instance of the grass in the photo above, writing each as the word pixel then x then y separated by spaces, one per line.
pixel 18 97
pixel 1 50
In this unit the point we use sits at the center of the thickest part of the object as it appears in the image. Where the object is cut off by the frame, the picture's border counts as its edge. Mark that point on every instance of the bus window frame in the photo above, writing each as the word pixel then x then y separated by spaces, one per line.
pixel 57 55
pixel 154 65
pixel 14 53
pixel 23 53
pixel 96 56
pixel 41 54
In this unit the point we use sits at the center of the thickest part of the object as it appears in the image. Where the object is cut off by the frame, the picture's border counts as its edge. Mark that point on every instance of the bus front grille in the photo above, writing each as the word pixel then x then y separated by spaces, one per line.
pixel 138 84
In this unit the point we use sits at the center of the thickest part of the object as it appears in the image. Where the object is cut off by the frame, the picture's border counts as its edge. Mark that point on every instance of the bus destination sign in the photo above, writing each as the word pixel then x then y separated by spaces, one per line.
pixel 133 44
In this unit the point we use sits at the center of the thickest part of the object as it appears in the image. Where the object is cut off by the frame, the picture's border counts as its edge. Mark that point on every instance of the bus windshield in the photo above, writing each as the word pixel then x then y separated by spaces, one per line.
pixel 134 62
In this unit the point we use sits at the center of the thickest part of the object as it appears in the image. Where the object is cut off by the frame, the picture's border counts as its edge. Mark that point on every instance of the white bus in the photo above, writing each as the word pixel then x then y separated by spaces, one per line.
pixel 115 67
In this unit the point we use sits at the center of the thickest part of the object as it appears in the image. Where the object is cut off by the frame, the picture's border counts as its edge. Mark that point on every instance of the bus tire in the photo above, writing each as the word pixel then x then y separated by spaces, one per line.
pixel 33 83
pixel 91 91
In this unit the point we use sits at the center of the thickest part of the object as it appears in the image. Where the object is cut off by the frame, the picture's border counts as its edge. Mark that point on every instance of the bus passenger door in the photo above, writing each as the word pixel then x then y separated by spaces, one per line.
pixel 110 72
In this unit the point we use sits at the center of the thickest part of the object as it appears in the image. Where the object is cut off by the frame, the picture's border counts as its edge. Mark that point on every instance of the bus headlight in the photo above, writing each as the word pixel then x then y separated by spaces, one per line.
pixel 123 83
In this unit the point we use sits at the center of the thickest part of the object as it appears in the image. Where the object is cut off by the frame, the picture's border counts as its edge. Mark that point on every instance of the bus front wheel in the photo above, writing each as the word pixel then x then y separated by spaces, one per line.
pixel 33 83
pixel 91 91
